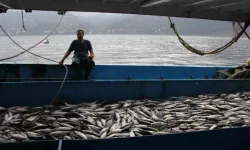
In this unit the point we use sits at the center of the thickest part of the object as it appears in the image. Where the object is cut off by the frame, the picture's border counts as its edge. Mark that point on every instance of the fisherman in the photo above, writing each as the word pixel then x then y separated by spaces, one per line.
pixel 81 58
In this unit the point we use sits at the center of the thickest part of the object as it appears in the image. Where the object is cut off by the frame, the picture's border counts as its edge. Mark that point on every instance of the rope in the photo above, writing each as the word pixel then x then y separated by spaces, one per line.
pixel 23 20
pixel 2 4
pixel 59 145
pixel 238 74
pixel 40 57
pixel 235 32
pixel 196 51
pixel 244 31
pixel 27 50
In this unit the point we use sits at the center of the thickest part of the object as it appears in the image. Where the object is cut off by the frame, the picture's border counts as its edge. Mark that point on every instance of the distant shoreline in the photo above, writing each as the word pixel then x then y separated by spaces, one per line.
pixel 224 36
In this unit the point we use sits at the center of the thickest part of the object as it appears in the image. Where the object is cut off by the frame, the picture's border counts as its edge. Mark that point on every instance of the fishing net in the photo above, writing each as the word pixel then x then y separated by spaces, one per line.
pixel 239 73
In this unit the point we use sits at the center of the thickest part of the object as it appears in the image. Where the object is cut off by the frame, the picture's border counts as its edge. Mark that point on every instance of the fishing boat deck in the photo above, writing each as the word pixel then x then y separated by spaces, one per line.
pixel 224 10
pixel 146 81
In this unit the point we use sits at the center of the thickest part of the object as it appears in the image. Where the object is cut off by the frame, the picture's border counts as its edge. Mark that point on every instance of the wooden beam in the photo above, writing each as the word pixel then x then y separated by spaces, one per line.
pixel 199 3
pixel 148 3
pixel 184 3
pixel 247 10
pixel 133 1
pixel 135 8
pixel 104 1
pixel 212 3
pixel 5 5
pixel 234 6
pixel 225 5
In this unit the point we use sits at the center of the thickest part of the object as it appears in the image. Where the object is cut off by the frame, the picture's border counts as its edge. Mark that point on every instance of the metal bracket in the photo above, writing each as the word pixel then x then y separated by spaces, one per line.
pixel 28 10
pixel 3 10
pixel 61 12
pixel 129 78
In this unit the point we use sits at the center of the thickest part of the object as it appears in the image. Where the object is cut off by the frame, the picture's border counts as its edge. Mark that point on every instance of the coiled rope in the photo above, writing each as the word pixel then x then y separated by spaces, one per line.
pixel 200 52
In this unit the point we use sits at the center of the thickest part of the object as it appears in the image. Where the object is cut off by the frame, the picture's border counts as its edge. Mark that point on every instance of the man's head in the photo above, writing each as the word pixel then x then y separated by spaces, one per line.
pixel 80 34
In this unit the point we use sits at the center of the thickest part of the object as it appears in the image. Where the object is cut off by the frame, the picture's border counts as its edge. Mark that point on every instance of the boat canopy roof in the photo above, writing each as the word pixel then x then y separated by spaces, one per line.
pixel 223 10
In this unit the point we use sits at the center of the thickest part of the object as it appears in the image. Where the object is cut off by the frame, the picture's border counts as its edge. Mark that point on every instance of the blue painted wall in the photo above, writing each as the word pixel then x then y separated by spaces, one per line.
pixel 223 139
pixel 114 72
pixel 41 93
pixel 34 145
pixel 227 139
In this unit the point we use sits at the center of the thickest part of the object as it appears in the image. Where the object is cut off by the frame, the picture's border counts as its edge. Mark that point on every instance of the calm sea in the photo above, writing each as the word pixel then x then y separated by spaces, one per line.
pixel 131 50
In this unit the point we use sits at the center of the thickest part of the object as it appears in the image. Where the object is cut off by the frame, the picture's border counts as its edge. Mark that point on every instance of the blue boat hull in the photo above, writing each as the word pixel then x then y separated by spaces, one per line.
pixel 230 139
pixel 21 85
pixel 41 93
pixel 26 72
pixel 224 139
pixel 110 83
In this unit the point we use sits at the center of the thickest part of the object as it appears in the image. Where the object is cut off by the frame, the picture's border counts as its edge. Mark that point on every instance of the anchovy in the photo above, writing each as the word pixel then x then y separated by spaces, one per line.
pixel 67 138
pixel 129 118
pixel 33 135
pixel 90 136
pixel 19 137
pixel 59 133
pixel 91 120
pixel 63 129
pixel 81 135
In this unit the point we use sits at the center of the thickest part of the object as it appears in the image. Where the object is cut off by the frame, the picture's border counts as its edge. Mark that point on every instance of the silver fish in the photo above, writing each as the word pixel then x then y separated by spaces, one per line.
pixel 19 137
pixel 81 135
pixel 59 133
pixel 34 135
pixel 103 135
pixel 67 138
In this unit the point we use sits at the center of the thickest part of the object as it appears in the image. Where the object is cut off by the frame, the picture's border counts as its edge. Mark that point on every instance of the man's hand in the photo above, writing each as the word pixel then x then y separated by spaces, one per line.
pixel 92 55
pixel 61 62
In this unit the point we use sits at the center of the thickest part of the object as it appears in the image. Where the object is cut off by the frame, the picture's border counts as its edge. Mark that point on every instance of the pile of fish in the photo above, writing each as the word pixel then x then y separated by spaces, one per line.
pixel 128 118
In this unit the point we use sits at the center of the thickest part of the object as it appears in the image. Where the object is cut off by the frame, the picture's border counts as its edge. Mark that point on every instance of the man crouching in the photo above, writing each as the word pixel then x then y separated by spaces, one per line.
pixel 81 58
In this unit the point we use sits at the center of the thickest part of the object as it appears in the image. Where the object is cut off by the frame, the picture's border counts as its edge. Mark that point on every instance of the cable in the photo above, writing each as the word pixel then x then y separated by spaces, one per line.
pixel 235 31
pixel 23 20
pixel 244 31
pixel 199 52
pixel 59 145
pixel 27 50
pixel 37 56
pixel 43 58
pixel 21 3
pixel 2 4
